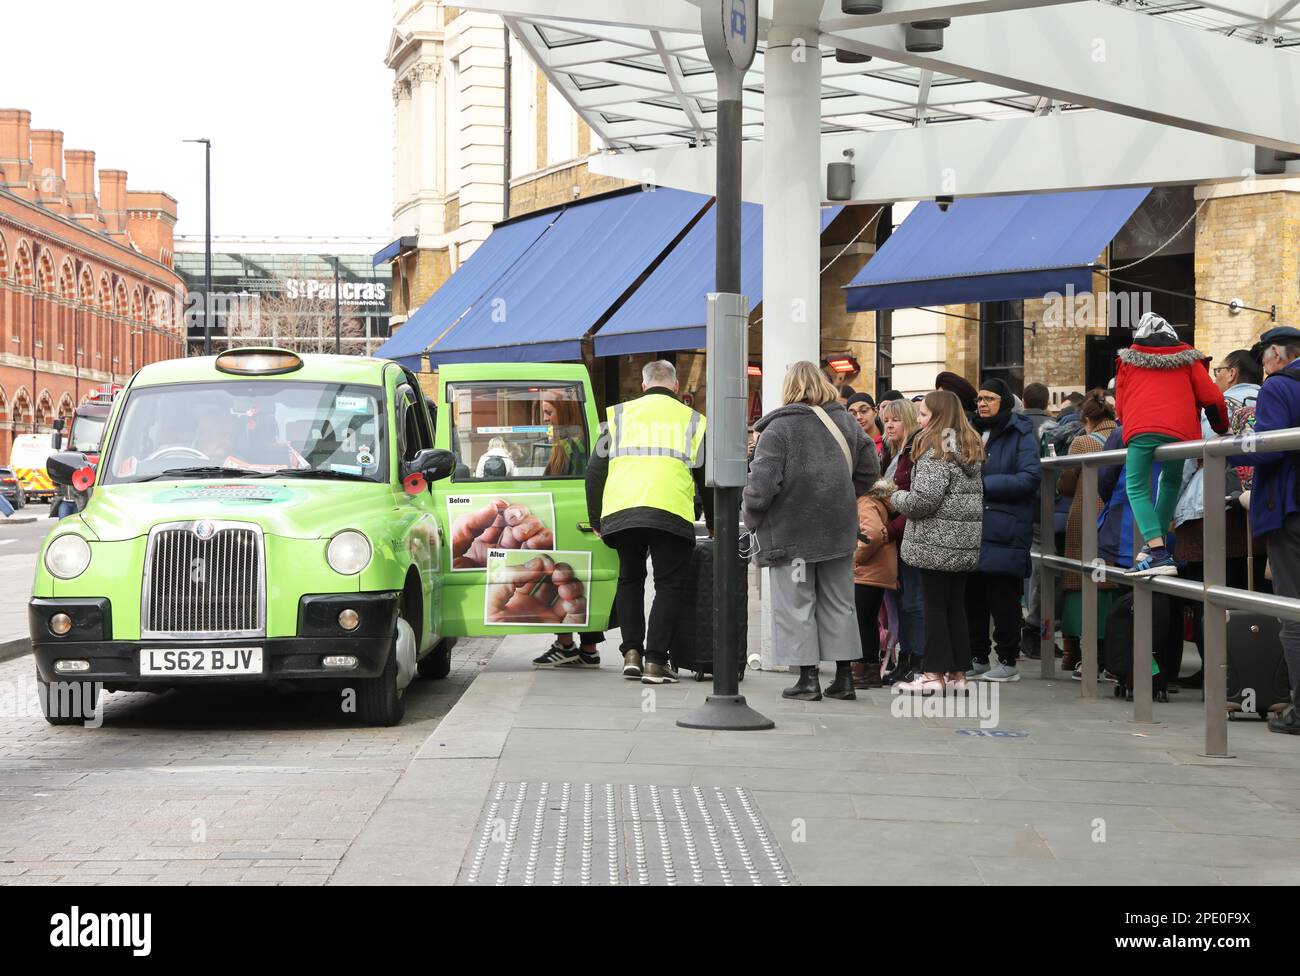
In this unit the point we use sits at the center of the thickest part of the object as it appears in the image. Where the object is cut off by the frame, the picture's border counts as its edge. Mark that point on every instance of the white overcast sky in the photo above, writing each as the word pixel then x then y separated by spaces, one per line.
pixel 293 94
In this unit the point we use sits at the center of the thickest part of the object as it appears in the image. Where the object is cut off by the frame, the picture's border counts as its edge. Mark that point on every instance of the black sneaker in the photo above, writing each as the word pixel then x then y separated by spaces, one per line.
pixel 1288 722
pixel 560 656
pixel 588 659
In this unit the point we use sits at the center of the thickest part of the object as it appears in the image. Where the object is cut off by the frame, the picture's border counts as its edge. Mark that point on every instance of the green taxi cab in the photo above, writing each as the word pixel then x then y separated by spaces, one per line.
pixel 302 521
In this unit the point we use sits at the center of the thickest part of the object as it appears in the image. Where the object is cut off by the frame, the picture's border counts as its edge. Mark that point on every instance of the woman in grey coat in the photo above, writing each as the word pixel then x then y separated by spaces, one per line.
pixel 800 504
pixel 945 518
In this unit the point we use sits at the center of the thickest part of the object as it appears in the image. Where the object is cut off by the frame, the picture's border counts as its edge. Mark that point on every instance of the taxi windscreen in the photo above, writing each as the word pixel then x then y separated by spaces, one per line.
pixel 517 431
pixel 268 427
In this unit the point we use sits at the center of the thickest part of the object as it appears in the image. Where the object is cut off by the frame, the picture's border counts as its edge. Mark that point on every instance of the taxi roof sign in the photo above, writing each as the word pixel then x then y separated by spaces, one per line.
pixel 258 362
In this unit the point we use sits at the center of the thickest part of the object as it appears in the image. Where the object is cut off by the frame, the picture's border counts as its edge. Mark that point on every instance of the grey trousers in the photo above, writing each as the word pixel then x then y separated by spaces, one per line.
pixel 1284 558
pixel 813 614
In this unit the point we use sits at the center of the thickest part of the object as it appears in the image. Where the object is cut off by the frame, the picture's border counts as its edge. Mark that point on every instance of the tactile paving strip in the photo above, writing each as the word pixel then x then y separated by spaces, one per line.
pixel 607 834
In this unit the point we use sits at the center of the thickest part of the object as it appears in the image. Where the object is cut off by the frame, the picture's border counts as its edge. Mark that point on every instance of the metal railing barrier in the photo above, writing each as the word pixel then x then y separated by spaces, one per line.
pixel 1216 597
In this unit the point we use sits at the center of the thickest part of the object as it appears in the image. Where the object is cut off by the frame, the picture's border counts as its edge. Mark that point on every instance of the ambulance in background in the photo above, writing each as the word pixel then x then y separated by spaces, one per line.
pixel 27 458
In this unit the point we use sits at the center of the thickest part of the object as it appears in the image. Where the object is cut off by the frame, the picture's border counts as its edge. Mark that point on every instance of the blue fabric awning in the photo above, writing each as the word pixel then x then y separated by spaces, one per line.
pixel 667 312
pixel 471 284
pixel 986 249
pixel 539 306
pixel 390 251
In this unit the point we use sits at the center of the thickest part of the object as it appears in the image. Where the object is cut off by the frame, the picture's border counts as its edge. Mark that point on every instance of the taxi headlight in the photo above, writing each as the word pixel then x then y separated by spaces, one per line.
pixel 67 556
pixel 348 553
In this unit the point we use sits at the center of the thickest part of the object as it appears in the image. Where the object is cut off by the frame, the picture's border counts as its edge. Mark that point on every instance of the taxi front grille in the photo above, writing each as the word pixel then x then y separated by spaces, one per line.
pixel 204 579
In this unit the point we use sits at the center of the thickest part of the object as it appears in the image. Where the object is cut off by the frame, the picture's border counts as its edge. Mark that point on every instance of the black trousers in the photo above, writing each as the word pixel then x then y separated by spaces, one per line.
pixel 947 640
pixel 995 595
pixel 670 556
pixel 867 600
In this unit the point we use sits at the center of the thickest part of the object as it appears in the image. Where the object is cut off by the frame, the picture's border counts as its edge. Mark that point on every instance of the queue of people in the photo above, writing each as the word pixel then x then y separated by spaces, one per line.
pixel 915 571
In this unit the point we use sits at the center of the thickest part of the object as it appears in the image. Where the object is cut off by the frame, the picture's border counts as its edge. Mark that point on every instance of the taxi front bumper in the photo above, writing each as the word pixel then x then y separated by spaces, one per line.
pixel 116 663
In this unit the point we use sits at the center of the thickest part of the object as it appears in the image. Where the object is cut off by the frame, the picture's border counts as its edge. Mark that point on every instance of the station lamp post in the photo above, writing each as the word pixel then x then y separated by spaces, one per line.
pixel 207 247
pixel 730 29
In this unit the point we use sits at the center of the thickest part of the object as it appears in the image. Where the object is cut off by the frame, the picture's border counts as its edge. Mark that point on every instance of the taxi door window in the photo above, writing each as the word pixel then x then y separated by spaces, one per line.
pixel 518 431
pixel 413 434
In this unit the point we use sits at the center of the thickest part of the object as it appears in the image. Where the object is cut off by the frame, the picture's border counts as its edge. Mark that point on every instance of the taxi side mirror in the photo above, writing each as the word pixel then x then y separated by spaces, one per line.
pixel 70 469
pixel 432 462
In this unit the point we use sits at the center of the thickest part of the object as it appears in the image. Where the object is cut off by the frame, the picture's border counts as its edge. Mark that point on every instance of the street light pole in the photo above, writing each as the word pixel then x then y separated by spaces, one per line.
pixel 730 29
pixel 207 248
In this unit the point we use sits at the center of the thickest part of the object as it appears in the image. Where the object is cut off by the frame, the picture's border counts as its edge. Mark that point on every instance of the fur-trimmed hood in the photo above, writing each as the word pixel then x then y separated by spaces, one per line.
pixel 882 490
pixel 1161 357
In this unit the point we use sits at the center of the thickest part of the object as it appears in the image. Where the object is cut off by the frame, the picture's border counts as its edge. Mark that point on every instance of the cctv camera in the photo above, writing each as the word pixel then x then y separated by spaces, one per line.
pixel 944 203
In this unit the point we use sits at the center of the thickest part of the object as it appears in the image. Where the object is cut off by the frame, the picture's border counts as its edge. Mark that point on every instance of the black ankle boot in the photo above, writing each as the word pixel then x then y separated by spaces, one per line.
pixel 842 686
pixel 807 688
pixel 902 667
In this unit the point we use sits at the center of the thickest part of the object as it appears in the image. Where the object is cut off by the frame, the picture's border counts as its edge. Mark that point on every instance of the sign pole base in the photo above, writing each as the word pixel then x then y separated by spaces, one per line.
pixel 726 713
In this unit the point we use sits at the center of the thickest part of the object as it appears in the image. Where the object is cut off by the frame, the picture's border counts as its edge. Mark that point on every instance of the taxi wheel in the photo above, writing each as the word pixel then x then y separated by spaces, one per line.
pixel 437 663
pixel 378 700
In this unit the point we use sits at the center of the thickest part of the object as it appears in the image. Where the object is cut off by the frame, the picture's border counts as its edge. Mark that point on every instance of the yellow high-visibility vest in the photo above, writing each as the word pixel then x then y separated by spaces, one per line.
pixel 654 442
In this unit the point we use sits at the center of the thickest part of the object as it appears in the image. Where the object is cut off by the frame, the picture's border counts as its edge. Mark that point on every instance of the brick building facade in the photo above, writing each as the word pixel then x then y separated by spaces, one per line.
pixel 87 291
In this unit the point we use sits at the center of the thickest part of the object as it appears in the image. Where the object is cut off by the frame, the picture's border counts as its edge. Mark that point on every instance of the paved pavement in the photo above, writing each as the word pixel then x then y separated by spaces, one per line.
pixel 194 787
pixel 531 776
pixel 18 545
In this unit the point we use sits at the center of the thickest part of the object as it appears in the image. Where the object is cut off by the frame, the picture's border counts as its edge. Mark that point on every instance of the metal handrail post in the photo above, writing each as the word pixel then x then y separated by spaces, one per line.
pixel 1140 679
pixel 1088 580
pixel 1046 575
pixel 1215 667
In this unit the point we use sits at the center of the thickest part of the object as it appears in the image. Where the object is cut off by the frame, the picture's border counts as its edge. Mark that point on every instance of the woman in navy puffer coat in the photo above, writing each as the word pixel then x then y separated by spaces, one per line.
pixel 1010 475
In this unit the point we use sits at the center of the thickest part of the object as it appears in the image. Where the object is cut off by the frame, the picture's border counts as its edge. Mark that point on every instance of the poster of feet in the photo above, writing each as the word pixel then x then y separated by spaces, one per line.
pixel 480 523
pixel 547 588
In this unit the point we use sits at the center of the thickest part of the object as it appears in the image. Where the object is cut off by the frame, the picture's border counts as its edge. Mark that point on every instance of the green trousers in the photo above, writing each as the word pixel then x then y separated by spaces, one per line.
pixel 1152 520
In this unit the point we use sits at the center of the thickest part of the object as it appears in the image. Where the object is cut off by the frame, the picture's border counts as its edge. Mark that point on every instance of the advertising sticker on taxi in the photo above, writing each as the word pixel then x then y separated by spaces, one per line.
pixel 480 523
pixel 525 587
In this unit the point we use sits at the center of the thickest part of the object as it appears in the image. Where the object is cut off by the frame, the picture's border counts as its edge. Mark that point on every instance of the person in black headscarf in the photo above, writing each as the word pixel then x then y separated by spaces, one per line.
pixel 960 387
pixel 1011 479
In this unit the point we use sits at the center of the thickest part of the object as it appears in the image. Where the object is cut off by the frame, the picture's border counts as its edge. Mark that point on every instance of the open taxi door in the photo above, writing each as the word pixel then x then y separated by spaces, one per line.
pixel 519 554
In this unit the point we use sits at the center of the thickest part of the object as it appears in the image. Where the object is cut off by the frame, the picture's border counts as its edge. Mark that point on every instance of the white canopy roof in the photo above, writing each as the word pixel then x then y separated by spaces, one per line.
pixel 1198 85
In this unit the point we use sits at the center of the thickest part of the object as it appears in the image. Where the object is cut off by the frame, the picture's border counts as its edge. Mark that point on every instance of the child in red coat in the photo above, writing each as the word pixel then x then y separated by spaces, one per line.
pixel 1161 387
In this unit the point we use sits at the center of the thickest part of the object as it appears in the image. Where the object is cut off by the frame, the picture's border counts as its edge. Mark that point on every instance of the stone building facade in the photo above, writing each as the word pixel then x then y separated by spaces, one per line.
pixel 87 290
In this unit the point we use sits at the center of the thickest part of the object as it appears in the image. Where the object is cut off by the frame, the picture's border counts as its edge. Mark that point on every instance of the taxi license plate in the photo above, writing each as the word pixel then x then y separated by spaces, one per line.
pixel 201 660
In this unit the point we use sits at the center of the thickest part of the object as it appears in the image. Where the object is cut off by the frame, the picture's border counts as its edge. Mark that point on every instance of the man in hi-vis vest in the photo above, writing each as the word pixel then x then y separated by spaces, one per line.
pixel 642 491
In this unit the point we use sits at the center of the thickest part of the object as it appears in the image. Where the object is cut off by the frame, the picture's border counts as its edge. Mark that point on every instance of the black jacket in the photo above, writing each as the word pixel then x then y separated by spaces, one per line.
pixel 644 517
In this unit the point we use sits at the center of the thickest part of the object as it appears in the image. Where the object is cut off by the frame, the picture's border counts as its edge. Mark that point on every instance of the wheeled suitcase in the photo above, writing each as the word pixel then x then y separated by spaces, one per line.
pixel 1117 649
pixel 693 636
pixel 1257 675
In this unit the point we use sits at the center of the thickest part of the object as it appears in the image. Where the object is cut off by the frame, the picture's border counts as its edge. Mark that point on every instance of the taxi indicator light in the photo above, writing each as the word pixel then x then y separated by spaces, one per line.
pixel 258 362
pixel 83 478
pixel 414 483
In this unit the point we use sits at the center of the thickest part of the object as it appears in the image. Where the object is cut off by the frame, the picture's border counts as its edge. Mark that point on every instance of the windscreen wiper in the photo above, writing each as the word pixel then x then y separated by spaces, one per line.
pixel 212 471
pixel 317 473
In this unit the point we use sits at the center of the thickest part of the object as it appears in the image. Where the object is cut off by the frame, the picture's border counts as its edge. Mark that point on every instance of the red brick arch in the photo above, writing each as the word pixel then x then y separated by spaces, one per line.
pixel 21 412
pixel 23 264
pixel 45 410
pixel 45 272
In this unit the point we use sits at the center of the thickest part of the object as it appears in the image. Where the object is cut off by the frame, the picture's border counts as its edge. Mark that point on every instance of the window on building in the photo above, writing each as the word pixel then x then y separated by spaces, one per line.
pixel 561 128
pixel 453 124
pixel 1002 343
pixel 523 110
